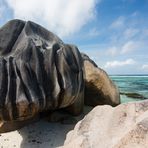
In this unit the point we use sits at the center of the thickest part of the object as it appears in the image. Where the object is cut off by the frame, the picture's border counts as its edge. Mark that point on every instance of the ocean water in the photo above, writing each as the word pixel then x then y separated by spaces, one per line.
pixel 131 84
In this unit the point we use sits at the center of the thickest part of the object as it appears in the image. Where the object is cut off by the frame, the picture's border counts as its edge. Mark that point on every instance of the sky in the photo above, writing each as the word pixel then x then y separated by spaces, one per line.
pixel 114 33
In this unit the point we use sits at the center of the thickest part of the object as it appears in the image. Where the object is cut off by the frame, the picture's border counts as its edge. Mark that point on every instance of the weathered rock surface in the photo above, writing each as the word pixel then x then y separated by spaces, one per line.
pixel 38 72
pixel 125 126
pixel 99 88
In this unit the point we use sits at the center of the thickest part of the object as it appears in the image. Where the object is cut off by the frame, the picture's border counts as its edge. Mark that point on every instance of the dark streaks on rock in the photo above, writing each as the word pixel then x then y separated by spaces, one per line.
pixel 38 72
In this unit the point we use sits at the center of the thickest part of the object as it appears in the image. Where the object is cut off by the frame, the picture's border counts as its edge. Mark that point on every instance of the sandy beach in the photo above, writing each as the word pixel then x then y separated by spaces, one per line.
pixel 40 134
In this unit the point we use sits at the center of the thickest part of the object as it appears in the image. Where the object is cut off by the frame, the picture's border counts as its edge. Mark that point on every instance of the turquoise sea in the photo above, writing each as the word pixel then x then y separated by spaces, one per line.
pixel 131 84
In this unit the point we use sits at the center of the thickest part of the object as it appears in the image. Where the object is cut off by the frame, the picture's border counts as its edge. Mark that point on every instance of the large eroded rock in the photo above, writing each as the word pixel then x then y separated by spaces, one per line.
pixel 99 88
pixel 38 72
pixel 125 126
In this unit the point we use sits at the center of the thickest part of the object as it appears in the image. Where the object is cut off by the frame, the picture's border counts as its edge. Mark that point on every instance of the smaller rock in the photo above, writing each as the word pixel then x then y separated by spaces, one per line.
pixel 99 88
pixel 61 116
pixel 33 140
pixel 57 116
pixel 133 95
pixel 70 120
pixel 8 126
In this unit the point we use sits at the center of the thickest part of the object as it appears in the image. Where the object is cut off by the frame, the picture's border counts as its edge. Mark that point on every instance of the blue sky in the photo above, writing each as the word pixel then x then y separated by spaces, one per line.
pixel 114 33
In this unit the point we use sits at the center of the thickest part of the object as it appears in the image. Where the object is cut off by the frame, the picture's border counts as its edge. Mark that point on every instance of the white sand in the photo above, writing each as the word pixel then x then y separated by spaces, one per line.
pixel 41 134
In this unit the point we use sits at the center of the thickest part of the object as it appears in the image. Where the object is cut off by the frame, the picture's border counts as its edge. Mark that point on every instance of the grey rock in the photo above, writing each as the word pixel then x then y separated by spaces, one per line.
pixel 38 72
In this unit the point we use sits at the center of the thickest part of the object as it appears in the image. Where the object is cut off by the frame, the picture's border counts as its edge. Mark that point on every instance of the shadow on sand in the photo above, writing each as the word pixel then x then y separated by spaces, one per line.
pixel 43 134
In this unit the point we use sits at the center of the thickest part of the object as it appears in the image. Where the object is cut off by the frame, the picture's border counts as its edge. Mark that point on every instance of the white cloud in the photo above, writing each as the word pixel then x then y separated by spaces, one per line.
pixel 126 48
pixel 2 9
pixel 145 33
pixel 129 47
pixel 118 23
pixel 63 17
pixel 114 64
pixel 1 12
pixel 135 14
pixel 130 32
pixel 145 67
pixel 112 51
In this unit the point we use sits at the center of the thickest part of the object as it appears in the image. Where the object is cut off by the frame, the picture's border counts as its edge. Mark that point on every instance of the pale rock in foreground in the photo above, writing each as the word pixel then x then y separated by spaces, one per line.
pixel 125 126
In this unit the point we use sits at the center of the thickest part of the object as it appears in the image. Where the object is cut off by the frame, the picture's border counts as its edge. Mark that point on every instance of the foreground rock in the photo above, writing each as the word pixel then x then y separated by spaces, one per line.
pixel 99 89
pixel 125 126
